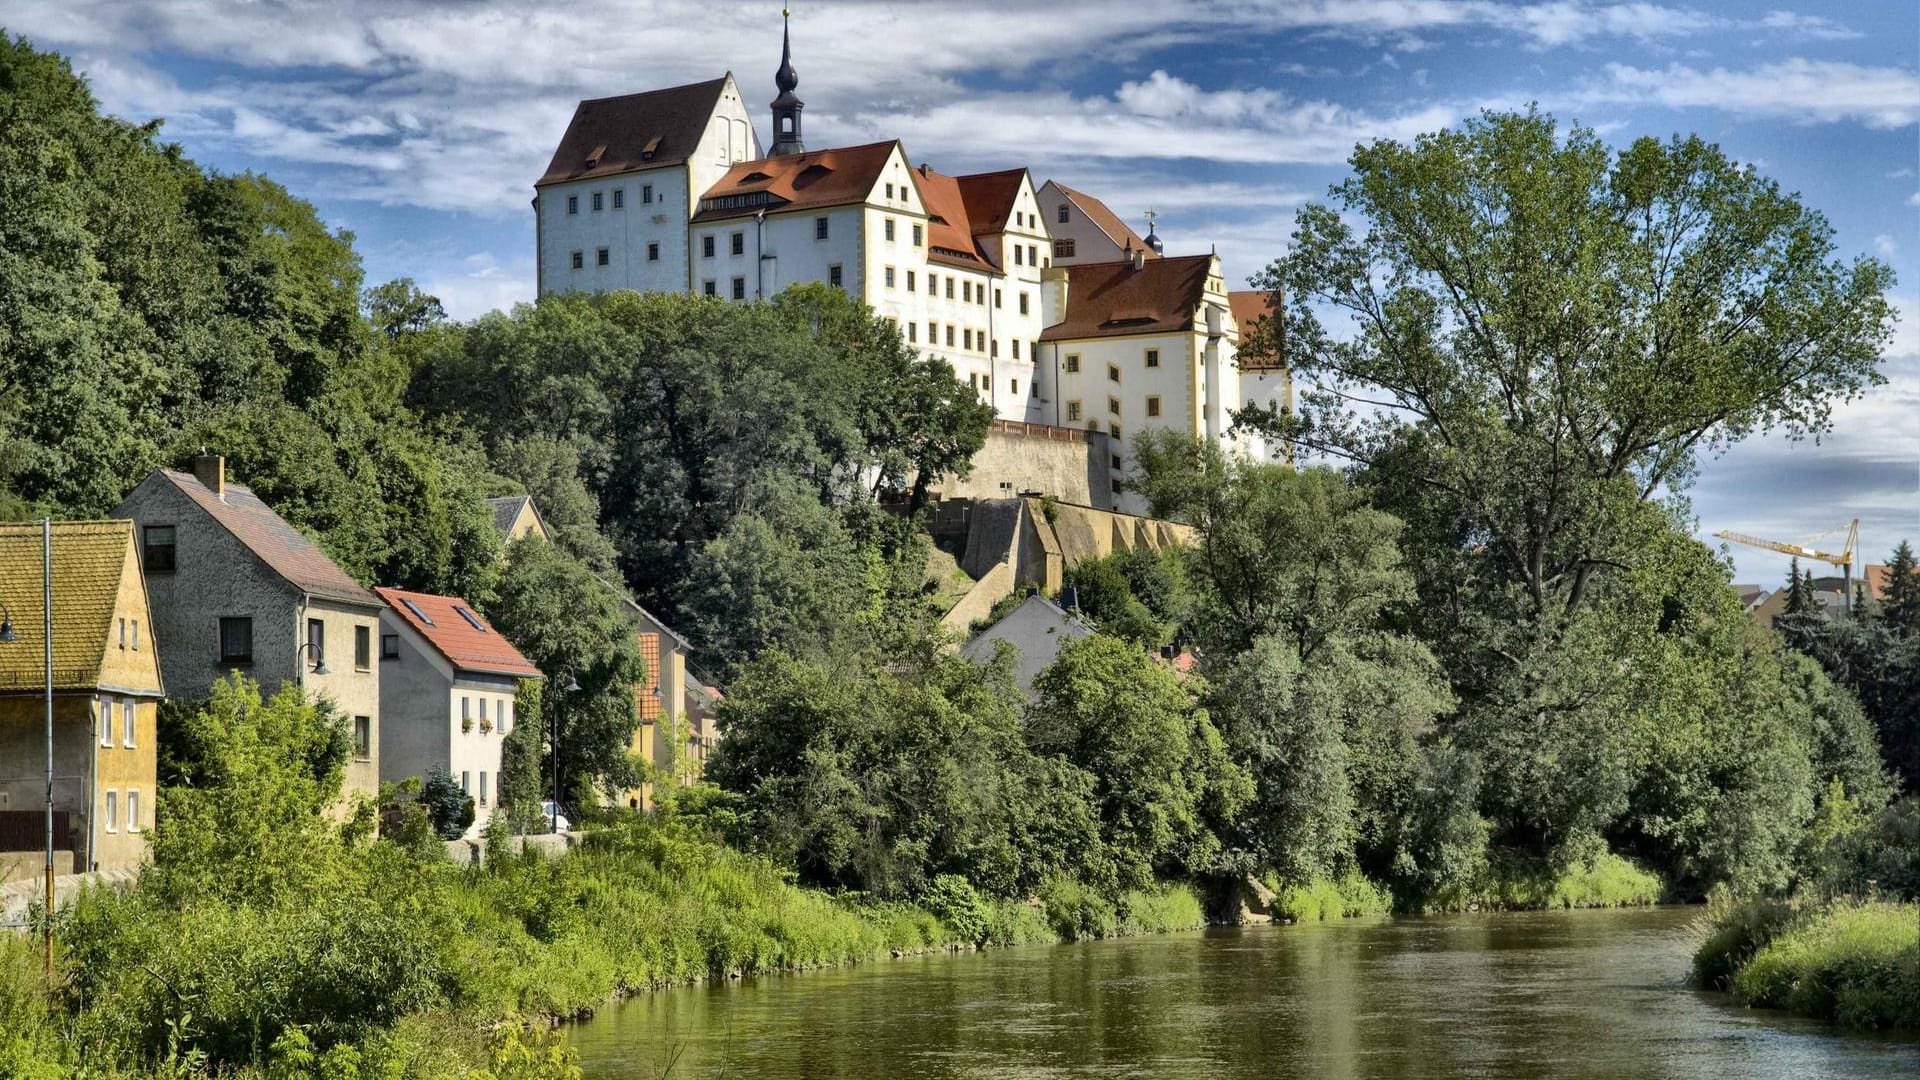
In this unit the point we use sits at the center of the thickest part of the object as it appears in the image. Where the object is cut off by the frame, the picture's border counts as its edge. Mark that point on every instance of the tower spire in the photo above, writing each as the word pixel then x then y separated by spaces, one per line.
pixel 786 107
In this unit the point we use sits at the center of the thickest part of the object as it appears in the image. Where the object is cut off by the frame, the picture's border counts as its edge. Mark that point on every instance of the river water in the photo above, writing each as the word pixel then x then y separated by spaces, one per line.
pixel 1533 996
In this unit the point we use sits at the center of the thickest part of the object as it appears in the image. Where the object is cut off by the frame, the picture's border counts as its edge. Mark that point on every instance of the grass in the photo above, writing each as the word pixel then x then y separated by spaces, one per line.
pixel 1516 883
pixel 1853 964
pixel 1321 899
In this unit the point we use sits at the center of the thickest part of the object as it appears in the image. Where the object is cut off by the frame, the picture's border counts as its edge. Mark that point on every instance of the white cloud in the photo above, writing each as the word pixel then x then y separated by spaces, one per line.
pixel 1914 199
pixel 1812 26
pixel 1800 89
pixel 1884 245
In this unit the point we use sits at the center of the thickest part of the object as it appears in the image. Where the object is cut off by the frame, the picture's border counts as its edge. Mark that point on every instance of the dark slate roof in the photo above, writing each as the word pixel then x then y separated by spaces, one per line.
pixel 278 544
pixel 506 510
pixel 1112 299
pixel 614 135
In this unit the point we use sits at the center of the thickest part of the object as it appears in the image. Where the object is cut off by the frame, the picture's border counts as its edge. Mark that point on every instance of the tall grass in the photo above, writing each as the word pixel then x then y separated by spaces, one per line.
pixel 1857 965
pixel 1517 883
pixel 1320 899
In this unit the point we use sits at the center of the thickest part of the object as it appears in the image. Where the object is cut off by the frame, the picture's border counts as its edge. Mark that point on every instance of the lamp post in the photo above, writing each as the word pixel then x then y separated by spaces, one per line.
pixel 572 687
pixel 299 668
pixel 46 652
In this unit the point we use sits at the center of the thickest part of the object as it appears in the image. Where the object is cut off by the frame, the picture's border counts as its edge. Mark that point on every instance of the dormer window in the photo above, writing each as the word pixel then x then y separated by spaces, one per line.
pixel 424 618
pixel 754 177
pixel 652 147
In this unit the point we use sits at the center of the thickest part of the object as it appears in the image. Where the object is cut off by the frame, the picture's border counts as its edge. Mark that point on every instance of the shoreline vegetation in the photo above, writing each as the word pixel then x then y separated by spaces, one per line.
pixel 1853 963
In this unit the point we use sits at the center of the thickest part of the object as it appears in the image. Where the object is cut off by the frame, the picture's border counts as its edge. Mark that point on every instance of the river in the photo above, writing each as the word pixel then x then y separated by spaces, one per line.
pixel 1597 994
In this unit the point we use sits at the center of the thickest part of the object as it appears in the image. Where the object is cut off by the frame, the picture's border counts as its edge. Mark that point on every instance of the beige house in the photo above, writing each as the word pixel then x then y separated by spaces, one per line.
pixel 235 587
pixel 515 516
pixel 106 694
pixel 663 739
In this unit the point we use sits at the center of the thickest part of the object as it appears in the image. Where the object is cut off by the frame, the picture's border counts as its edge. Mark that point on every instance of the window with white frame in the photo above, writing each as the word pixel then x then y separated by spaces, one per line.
pixel 820 225
pixel 113 811
pixel 106 722
pixel 133 809
pixel 128 723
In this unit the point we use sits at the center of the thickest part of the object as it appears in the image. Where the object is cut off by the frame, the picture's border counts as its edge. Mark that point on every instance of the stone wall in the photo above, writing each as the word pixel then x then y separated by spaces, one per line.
pixel 1037 539
pixel 1071 464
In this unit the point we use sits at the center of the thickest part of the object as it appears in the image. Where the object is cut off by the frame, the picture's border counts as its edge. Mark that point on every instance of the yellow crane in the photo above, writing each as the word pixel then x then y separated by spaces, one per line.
pixel 1843 560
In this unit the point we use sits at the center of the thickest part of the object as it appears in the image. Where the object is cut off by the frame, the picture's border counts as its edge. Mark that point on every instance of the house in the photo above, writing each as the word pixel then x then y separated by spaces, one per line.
pixel 447 686
pixel 234 587
pixel 1142 343
pixel 1260 354
pixel 703 727
pixel 107 687
pixel 661 699
pixel 516 516
pixel 1036 630
pixel 1084 230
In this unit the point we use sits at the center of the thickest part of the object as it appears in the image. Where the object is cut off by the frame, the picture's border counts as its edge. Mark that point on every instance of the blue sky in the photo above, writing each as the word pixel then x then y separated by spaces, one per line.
pixel 421 126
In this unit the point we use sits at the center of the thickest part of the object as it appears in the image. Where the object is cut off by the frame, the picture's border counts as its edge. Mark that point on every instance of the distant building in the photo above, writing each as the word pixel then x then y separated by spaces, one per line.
pixel 107 689
pixel 661 740
pixel 234 587
pixel 447 686
pixel 516 516
pixel 703 728
pixel 1260 354
pixel 1037 630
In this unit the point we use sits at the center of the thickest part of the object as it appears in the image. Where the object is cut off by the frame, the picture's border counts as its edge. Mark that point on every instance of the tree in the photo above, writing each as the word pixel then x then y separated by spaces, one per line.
pixel 1165 789
pixel 569 624
pixel 520 783
pixel 1900 607
pixel 448 808
pixel 1559 330
pixel 399 307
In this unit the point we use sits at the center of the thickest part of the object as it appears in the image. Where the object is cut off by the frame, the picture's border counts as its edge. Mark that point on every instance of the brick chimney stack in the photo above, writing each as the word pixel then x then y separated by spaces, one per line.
pixel 211 471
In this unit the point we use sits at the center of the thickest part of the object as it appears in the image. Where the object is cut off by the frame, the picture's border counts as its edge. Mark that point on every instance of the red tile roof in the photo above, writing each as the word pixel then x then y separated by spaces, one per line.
pixel 989 199
pixel 1260 349
pixel 614 135
pixel 813 180
pixel 1112 299
pixel 466 646
pixel 1105 220
pixel 949 232
pixel 278 544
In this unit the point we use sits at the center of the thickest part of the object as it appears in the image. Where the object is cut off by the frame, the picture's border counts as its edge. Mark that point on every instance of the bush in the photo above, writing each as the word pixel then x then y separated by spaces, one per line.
pixel 1320 899
pixel 1732 933
pixel 1856 965
pixel 1512 881
pixel 953 900
pixel 449 808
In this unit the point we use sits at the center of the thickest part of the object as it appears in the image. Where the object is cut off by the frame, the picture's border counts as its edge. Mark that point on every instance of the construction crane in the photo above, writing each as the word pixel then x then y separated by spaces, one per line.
pixel 1844 560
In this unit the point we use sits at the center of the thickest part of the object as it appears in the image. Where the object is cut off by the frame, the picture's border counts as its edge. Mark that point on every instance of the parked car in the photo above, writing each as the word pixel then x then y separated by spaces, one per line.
pixel 561 824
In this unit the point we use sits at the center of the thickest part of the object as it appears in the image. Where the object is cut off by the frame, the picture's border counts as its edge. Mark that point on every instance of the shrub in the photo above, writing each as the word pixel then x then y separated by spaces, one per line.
pixel 1732 933
pixel 1857 965
pixel 954 901
pixel 449 808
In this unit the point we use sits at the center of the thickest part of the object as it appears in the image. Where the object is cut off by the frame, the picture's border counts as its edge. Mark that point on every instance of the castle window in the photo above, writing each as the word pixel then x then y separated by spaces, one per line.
pixel 707 288
pixel 1113 405
pixel 916 234
pixel 1113 429
pixel 889 277
pixel 833 273
pixel 1063 249
pixel 949 335
pixel 619 198
pixel 966 291
pixel 601 257
pixel 1023 303
pixel 653 252
pixel 889 224
pixel 933 283
pixel 889 221
pixel 933 332
pixel 737 244
pixel 597 197
pixel 913 331
pixel 1073 411
pixel 909 281
pixel 1015 386
pixel 1073 363
pixel 1113 372
pixel 579 260
pixel 949 286
pixel 1017 259
pixel 820 228
pixel 573 204
pixel 1153 357
pixel 646 193
pixel 706 247
pixel 996 298
pixel 1063 213
pixel 966 339
pixel 1016 348
pixel 1033 256
pixel 739 288
pixel 1153 405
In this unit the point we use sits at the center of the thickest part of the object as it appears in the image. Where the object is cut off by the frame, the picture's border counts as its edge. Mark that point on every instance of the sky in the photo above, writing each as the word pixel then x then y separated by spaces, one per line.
pixel 420 126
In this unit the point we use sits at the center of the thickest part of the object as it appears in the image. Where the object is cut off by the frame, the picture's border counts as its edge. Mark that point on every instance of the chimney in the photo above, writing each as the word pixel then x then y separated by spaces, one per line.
pixel 1139 256
pixel 211 471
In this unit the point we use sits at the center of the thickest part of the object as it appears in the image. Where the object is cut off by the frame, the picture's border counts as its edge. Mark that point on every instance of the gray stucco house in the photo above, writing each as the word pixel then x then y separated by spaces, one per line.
pixel 234 587
pixel 1037 630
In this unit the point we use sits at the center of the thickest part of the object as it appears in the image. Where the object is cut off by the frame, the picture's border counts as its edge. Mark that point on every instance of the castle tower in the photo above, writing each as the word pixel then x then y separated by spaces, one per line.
pixel 786 107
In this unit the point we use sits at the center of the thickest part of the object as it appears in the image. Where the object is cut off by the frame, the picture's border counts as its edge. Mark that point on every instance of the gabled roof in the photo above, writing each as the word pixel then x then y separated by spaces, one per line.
pixel 950 235
pixel 809 181
pixel 1037 628
pixel 1113 299
pixel 989 199
pixel 506 511
pixel 1878 575
pixel 473 646
pixel 614 135
pixel 1251 307
pixel 1105 220
pixel 633 609
pixel 90 560
pixel 278 544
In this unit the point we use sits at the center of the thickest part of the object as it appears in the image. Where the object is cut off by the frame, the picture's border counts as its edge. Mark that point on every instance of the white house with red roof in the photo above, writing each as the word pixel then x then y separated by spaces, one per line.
pixel 447 686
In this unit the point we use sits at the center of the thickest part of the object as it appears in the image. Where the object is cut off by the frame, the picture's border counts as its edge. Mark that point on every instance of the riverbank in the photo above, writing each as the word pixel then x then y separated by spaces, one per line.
pixel 409 966
pixel 1852 964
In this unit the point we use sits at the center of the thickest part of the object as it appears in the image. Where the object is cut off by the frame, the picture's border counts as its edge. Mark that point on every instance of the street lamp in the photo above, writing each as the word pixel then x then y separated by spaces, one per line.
pixel 572 687
pixel 319 660
pixel 7 634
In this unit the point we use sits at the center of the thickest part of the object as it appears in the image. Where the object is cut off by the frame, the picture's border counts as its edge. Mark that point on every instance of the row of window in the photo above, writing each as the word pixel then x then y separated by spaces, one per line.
pixel 737 240
pixel 503 714
pixel 984 383
pixel 466 786
pixel 236 643
pixel 598 202
pixel 127 716
pixel 113 822
pixel 738 286
pixel 919 232
pixel 1113 407
pixel 1072 364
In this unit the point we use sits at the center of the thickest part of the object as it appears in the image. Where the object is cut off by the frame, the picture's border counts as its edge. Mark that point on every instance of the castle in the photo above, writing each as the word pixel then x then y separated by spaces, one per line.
pixel 1051 308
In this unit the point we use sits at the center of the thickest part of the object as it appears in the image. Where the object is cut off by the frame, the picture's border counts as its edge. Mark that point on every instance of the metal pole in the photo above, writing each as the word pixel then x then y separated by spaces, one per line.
pixel 554 725
pixel 46 649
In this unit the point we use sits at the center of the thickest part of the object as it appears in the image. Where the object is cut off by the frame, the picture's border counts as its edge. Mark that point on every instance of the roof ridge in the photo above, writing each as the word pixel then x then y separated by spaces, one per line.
pixel 655 90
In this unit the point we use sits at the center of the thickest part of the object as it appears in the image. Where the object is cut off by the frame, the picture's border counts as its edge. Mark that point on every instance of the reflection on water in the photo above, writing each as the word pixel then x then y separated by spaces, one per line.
pixel 1553 994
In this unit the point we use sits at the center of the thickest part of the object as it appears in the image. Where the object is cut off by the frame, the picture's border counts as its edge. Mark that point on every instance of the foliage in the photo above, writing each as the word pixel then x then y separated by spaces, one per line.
pixel 569 624
pixel 1878 659
pixel 449 809
pixel 1318 899
pixel 1877 857
pixel 521 782
pixel 1164 786
pixel 1900 607
pixel 1516 881
pixel 1856 965
pixel 1137 595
